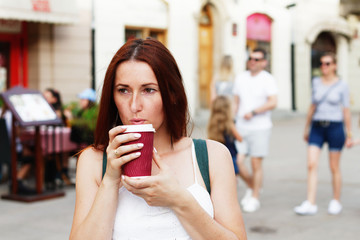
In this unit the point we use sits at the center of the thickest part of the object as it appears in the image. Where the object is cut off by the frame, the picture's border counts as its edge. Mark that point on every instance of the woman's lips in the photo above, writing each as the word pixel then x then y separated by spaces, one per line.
pixel 137 121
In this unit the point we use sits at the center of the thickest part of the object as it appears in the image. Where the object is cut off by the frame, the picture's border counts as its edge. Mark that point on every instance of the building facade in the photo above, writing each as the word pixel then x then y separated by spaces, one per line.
pixel 200 32
pixel 46 44
pixel 69 44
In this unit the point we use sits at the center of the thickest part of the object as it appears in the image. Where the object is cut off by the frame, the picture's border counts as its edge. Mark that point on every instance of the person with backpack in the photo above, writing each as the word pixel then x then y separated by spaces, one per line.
pixel 191 186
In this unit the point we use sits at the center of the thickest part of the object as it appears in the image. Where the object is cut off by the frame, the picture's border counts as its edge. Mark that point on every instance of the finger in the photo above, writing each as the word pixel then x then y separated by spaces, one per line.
pixel 121 139
pixel 116 131
pixel 119 162
pixel 124 149
pixel 126 137
pixel 136 183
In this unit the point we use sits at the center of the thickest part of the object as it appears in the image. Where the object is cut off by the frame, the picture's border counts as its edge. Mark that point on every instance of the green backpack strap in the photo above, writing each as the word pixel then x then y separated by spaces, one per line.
pixel 203 161
pixel 104 163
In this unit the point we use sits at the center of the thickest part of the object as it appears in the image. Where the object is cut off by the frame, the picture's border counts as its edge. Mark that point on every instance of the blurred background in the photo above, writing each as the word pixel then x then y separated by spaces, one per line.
pixel 67 44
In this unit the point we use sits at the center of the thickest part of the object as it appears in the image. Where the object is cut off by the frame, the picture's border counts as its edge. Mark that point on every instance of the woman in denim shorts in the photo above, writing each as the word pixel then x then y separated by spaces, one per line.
pixel 329 121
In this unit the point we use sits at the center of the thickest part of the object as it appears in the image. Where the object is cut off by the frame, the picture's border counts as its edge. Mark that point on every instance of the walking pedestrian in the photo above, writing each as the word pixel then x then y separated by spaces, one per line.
pixel 221 126
pixel 327 117
pixel 223 81
pixel 255 94
pixel 143 85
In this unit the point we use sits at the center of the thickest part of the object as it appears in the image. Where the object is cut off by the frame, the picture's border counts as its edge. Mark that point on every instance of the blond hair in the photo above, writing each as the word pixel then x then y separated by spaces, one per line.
pixel 220 119
pixel 226 72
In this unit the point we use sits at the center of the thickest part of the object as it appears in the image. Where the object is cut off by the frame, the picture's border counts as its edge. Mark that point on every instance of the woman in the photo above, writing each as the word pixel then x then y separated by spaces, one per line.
pixel 143 85
pixel 223 81
pixel 328 114
pixel 53 97
pixel 221 126
pixel 82 117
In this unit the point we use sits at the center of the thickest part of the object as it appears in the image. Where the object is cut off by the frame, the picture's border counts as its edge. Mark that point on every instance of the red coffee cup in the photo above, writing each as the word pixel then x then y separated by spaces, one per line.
pixel 141 166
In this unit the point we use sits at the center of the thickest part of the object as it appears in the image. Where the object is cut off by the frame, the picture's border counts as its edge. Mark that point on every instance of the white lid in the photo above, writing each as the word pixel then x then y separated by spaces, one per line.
pixel 139 128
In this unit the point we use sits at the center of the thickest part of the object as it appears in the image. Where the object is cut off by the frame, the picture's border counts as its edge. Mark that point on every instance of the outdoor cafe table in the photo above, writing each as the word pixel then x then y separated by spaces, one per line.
pixel 57 138
pixel 52 140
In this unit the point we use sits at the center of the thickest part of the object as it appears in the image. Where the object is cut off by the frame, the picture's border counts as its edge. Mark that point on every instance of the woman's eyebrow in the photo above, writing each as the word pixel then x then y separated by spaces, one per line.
pixel 121 85
pixel 149 84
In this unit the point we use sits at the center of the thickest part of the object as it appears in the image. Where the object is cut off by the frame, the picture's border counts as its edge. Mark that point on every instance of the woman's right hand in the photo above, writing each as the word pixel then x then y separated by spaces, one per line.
pixel 306 135
pixel 118 154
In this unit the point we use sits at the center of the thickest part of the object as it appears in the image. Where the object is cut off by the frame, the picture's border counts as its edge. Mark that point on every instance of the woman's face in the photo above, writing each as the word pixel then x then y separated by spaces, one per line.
pixel 327 65
pixel 84 103
pixel 137 95
pixel 49 97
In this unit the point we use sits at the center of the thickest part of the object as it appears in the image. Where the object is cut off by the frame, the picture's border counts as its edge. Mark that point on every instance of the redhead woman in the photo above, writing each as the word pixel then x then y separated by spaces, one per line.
pixel 143 85
pixel 328 121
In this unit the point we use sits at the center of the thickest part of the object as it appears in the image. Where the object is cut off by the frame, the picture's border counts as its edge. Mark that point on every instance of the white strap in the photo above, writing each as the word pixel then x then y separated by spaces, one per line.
pixel 193 160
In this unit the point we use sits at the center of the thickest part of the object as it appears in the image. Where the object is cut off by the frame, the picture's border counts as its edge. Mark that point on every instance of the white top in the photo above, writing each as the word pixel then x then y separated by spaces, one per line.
pixel 253 92
pixel 136 220
pixel 330 100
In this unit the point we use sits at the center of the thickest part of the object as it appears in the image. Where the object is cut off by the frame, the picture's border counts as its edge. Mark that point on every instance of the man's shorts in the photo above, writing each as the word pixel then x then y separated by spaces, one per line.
pixel 255 142
pixel 325 131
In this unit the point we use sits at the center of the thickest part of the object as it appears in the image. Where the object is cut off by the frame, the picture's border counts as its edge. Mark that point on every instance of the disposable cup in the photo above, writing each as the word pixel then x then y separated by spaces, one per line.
pixel 141 166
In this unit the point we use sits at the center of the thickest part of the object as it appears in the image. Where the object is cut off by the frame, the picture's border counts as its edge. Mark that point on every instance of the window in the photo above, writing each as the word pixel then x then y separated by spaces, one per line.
pixel 134 32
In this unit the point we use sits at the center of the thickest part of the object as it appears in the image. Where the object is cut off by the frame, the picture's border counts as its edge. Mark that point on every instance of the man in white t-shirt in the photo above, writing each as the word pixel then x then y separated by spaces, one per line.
pixel 255 94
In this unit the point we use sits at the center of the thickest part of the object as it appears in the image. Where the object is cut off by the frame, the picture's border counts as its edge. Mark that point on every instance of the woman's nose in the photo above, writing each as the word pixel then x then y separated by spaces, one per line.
pixel 136 103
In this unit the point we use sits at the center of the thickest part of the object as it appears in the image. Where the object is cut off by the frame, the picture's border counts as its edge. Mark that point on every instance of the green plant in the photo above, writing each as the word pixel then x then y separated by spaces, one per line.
pixel 83 124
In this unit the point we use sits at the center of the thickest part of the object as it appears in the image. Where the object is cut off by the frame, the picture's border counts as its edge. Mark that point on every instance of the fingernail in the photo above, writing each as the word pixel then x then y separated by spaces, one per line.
pixel 122 177
pixel 123 127
pixel 137 154
pixel 155 150
pixel 137 135
pixel 140 145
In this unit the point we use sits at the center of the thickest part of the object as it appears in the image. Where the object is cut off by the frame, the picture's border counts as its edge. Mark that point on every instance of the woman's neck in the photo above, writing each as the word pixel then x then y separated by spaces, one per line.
pixel 164 146
pixel 162 141
pixel 330 78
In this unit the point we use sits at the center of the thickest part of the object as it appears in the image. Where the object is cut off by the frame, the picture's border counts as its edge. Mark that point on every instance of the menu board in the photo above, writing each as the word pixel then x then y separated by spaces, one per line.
pixel 30 107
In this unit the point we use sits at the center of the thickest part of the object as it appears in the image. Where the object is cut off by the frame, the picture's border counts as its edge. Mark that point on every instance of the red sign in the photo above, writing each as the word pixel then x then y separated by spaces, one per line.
pixel 259 27
pixel 41 5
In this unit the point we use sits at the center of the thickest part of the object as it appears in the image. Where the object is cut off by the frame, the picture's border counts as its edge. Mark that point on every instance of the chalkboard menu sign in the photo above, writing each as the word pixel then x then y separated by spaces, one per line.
pixel 29 107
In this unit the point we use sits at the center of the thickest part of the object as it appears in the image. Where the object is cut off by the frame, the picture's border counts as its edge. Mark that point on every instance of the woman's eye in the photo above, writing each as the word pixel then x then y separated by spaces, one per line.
pixel 123 90
pixel 149 90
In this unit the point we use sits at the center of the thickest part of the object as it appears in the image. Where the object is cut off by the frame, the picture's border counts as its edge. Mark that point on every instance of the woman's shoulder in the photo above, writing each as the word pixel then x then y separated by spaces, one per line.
pixel 316 80
pixel 91 152
pixel 90 162
pixel 342 83
pixel 90 156
pixel 220 161
pixel 216 150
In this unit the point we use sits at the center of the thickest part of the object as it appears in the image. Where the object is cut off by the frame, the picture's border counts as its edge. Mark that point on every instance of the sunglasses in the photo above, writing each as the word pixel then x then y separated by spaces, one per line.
pixel 325 63
pixel 255 59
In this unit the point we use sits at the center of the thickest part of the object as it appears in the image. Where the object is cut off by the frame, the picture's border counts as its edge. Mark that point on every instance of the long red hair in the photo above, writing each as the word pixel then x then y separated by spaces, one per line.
pixel 168 75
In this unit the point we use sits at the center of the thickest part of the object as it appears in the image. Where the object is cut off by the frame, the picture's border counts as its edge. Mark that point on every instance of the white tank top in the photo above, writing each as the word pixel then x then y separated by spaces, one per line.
pixel 136 220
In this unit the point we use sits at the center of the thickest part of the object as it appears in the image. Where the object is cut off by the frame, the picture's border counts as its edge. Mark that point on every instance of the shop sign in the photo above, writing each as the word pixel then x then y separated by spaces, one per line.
pixel 41 5
pixel 259 27
pixel 10 26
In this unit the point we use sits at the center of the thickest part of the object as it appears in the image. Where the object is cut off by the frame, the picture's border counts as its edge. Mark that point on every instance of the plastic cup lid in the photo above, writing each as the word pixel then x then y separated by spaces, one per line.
pixel 139 128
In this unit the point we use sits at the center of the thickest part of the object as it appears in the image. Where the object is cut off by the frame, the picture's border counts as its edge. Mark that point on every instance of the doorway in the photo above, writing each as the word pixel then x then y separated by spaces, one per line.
pixel 206 43
pixel 4 65
pixel 325 42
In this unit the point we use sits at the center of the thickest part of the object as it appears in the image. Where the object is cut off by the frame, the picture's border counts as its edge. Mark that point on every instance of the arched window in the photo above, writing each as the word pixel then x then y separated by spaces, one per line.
pixel 325 42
